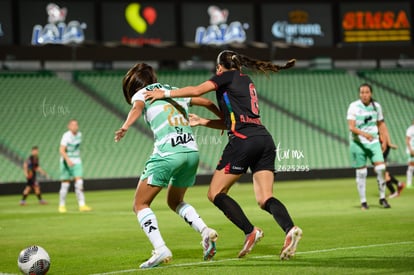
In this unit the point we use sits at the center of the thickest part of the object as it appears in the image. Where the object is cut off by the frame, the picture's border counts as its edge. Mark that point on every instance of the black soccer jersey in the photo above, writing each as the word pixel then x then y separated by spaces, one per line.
pixel 237 99
pixel 32 165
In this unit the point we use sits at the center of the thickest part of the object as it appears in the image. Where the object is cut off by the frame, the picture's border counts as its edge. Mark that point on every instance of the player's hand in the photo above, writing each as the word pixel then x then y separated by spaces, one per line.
pixel 119 134
pixel 194 120
pixel 393 146
pixel 154 95
pixel 368 136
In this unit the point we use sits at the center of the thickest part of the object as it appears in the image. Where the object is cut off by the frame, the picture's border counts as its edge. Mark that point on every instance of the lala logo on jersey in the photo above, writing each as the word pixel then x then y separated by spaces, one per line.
pixel 181 138
pixel 57 32
pixel 219 32
pixel 137 22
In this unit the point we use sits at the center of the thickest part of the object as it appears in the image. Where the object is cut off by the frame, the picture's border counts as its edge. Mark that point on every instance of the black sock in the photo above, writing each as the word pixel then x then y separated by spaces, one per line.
pixel 280 213
pixel 39 197
pixel 233 212
pixel 394 180
pixel 390 187
pixel 24 197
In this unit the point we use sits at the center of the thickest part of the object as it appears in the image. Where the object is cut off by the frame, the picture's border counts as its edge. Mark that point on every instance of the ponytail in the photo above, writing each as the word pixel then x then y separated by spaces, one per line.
pixel 232 60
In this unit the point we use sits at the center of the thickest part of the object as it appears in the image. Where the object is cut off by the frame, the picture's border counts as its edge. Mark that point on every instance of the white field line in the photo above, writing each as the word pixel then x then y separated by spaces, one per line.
pixel 257 257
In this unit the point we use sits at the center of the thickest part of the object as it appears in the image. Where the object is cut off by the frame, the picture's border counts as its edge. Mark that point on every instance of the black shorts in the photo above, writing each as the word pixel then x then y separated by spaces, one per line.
pixel 256 152
pixel 31 182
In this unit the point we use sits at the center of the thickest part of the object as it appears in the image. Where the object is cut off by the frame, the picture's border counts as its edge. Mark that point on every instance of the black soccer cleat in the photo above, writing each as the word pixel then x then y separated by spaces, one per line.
pixel 384 203
pixel 364 206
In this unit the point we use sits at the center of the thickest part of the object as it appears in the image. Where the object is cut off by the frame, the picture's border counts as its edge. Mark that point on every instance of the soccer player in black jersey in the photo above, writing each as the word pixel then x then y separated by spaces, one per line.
pixel 250 145
pixel 30 168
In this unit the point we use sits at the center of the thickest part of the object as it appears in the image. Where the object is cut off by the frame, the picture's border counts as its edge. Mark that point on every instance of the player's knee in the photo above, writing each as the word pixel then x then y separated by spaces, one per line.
pixel 173 204
pixel 211 195
pixel 380 168
pixel 79 184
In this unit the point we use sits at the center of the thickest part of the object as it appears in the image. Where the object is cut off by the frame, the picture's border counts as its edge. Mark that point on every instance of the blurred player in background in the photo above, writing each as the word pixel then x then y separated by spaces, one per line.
pixel 366 123
pixel 390 180
pixel 30 168
pixel 71 167
pixel 173 163
pixel 250 146
pixel 409 140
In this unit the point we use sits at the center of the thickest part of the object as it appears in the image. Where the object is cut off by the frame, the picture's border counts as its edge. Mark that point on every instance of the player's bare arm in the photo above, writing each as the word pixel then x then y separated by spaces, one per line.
pixel 133 115
pixel 62 151
pixel 25 169
pixel 195 120
pixel 355 130
pixel 189 91
pixel 208 104
pixel 383 132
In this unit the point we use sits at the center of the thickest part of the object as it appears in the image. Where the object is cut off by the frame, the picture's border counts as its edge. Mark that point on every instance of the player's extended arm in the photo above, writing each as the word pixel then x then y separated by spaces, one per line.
pixel 195 120
pixel 133 115
pixel 208 104
pixel 41 171
pixel 189 91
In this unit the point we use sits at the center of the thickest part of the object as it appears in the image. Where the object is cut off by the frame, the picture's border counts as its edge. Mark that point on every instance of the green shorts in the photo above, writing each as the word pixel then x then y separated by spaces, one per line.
pixel 361 152
pixel 68 173
pixel 180 169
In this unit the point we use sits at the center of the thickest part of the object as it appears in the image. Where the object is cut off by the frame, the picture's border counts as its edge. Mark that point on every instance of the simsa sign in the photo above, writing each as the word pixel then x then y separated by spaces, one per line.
pixel 378 24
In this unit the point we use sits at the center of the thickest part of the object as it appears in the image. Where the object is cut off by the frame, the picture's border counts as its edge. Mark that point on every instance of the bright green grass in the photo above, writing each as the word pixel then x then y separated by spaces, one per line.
pixel 338 238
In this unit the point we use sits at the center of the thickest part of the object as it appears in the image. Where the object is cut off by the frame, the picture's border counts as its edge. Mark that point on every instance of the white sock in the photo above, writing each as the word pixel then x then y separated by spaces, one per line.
pixel 190 216
pixel 79 192
pixel 149 223
pixel 410 171
pixel 361 180
pixel 380 170
pixel 64 189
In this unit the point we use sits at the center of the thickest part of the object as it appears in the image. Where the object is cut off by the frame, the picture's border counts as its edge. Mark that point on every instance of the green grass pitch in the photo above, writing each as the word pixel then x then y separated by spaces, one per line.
pixel 338 237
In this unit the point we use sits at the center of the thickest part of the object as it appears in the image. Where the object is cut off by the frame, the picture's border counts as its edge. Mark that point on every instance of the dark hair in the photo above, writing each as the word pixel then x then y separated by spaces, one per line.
pixel 366 85
pixel 139 76
pixel 233 60
pixel 370 88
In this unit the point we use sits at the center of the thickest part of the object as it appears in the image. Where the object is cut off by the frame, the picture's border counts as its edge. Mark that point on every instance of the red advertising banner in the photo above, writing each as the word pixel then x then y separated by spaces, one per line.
pixel 376 24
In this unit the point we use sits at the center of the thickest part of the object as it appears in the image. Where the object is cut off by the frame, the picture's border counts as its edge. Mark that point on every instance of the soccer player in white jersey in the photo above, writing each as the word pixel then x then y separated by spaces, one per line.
pixel 409 140
pixel 173 163
pixel 366 123
pixel 71 167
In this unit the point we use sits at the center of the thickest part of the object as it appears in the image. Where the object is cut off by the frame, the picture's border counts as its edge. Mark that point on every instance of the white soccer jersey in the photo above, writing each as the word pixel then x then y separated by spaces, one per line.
pixel 72 143
pixel 171 128
pixel 366 118
pixel 410 134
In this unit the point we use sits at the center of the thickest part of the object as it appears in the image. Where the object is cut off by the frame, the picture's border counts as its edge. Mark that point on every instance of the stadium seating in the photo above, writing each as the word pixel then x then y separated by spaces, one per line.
pixel 305 111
